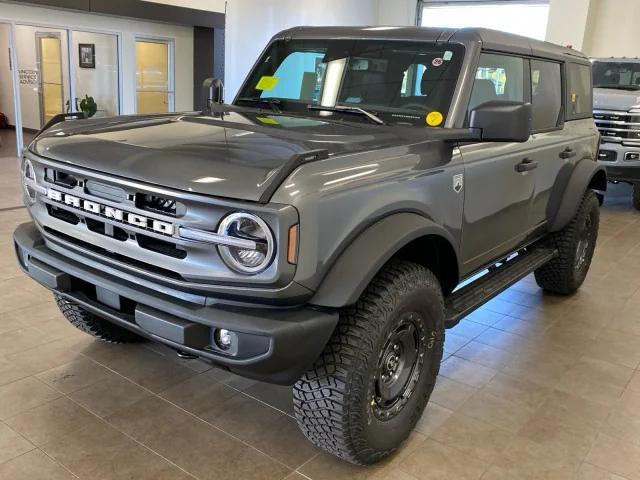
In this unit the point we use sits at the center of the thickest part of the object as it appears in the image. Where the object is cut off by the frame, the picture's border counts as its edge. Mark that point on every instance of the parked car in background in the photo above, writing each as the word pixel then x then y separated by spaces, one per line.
pixel 616 110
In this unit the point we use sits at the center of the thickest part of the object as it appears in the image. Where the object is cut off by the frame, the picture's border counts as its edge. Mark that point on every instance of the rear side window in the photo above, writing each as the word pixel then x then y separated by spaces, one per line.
pixel 546 94
pixel 579 96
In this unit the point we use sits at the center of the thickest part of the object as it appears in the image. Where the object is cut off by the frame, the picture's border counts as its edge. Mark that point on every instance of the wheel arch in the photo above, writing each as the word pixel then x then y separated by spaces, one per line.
pixel 587 174
pixel 406 236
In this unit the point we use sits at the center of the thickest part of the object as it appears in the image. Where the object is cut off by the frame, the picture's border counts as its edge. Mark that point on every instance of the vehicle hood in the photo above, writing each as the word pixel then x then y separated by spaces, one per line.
pixel 612 99
pixel 235 155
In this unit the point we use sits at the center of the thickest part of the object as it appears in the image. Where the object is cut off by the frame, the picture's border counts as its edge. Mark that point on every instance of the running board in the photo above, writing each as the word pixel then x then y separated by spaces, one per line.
pixel 468 298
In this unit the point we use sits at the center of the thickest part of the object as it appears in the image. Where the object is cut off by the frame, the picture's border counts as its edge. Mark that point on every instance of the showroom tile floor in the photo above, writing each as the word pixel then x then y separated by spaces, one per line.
pixel 533 387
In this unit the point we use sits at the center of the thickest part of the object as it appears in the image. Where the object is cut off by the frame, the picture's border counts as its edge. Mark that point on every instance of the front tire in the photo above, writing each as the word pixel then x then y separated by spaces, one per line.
pixel 95 326
pixel 365 393
pixel 575 244
pixel 636 196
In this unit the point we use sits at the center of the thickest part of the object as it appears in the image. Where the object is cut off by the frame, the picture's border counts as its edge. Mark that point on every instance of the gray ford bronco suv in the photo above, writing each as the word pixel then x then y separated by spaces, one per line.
pixel 366 189
pixel 616 109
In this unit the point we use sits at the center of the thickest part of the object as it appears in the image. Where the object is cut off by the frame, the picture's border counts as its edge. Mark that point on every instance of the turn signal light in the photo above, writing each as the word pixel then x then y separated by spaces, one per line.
pixel 292 251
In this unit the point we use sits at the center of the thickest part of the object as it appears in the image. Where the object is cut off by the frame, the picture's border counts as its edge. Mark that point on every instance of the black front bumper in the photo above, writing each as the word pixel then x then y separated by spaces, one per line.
pixel 622 173
pixel 273 344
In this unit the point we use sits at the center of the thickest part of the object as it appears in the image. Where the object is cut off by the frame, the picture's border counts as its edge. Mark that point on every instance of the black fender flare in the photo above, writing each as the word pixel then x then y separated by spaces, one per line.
pixel 582 177
pixel 368 252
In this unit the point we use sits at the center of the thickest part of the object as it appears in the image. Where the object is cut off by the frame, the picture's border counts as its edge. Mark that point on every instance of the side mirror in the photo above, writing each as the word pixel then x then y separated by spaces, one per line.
pixel 502 121
pixel 212 92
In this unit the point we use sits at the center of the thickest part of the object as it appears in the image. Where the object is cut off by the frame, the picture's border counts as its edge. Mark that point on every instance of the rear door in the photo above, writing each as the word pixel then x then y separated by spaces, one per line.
pixel 554 145
pixel 497 196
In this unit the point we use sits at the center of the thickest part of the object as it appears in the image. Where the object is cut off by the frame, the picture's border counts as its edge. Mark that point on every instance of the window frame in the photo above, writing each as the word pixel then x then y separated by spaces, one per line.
pixel 563 92
pixel 526 76
pixel 586 115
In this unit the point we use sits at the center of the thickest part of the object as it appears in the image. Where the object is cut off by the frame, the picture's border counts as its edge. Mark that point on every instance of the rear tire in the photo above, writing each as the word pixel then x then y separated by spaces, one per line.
pixel 95 326
pixel 365 393
pixel 636 196
pixel 575 244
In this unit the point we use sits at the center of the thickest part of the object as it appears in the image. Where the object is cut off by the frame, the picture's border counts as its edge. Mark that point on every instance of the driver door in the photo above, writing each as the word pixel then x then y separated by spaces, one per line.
pixel 498 195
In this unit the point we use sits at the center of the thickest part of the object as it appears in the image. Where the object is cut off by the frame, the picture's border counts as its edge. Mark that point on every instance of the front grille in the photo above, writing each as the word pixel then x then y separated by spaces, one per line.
pixel 156 204
pixel 64 215
pixel 621 127
pixel 115 256
pixel 160 246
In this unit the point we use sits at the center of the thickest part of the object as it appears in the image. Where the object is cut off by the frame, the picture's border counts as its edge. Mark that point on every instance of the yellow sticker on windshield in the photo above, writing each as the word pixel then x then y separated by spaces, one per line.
pixel 268 120
pixel 267 83
pixel 434 119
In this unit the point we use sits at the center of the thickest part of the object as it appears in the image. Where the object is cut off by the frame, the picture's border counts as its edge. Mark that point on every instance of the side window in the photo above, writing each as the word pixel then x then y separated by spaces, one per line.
pixel 297 78
pixel 579 96
pixel 546 94
pixel 499 77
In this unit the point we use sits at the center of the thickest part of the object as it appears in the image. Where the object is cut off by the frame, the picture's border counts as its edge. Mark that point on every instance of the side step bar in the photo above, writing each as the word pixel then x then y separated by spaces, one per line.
pixel 468 298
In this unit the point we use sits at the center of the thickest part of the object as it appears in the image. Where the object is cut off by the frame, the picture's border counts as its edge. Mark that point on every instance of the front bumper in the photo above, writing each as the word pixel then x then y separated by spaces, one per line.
pixel 275 345
pixel 620 163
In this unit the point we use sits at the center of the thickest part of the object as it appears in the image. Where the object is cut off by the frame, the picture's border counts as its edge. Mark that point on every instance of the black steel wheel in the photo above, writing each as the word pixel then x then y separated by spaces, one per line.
pixel 399 367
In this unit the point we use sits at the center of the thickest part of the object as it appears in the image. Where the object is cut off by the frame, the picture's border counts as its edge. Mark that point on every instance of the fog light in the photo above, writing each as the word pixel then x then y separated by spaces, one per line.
pixel 224 338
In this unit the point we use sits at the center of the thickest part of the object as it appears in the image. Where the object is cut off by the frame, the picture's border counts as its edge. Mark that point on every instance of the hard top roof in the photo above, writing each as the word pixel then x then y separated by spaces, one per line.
pixel 489 39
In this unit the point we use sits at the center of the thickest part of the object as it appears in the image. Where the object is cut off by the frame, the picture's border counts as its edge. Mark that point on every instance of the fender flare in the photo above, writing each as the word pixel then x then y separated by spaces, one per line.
pixel 581 178
pixel 368 252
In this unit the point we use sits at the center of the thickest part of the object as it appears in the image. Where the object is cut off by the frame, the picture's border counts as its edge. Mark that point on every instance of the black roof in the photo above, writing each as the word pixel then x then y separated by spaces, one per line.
pixel 489 39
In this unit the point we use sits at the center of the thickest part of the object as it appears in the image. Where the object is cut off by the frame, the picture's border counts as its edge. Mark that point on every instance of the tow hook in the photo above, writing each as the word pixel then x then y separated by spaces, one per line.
pixel 185 355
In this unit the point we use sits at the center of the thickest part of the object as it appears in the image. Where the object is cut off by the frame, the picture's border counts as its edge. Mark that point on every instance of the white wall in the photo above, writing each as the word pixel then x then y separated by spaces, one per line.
pixel 613 29
pixel 6 80
pixel 568 22
pixel 182 36
pixel 397 12
pixel 251 23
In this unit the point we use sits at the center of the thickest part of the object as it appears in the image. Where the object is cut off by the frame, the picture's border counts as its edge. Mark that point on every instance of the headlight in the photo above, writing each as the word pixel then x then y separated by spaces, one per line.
pixel 247 227
pixel 29 180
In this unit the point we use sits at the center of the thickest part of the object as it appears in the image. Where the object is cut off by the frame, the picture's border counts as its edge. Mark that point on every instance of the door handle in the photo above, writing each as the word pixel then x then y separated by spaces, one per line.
pixel 567 153
pixel 526 165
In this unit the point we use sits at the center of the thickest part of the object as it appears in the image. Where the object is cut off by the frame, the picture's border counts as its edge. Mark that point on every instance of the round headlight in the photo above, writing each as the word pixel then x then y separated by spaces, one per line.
pixel 245 226
pixel 28 180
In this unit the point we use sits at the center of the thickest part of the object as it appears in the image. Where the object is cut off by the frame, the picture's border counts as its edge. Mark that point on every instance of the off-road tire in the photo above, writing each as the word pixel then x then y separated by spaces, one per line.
pixel 333 401
pixel 564 274
pixel 636 196
pixel 94 325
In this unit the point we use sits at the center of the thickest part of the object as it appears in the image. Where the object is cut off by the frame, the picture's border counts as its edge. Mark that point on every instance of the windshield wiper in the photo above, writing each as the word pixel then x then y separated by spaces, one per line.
pixel 272 102
pixel 349 109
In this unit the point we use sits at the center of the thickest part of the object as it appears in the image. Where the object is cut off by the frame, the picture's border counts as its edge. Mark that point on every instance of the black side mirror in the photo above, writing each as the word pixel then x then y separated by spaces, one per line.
pixel 212 92
pixel 502 121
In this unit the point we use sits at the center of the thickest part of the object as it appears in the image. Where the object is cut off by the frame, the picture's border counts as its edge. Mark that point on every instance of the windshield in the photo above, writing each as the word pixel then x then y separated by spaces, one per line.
pixel 399 82
pixel 619 75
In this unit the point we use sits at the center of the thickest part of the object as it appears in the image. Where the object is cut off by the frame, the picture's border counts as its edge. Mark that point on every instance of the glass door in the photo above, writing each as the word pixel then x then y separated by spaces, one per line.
pixel 94 67
pixel 49 59
pixel 154 76
pixel 43 72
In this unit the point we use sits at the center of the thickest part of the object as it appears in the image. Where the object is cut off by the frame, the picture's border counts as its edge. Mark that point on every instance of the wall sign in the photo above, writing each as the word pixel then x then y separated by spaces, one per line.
pixel 87 55
pixel 28 77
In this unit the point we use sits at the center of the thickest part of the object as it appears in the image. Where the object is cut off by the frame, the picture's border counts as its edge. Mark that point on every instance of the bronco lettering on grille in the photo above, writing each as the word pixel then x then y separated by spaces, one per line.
pixel 110 212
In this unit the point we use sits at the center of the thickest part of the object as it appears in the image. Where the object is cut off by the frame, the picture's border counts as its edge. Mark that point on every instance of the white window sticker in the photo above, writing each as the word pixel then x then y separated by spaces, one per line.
pixel 447 55
pixel 436 62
